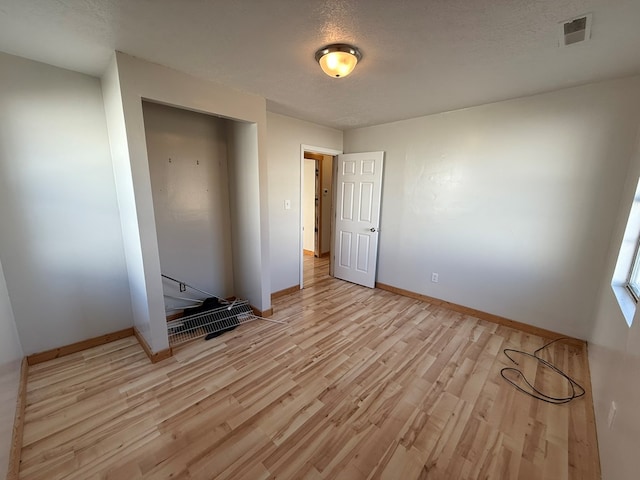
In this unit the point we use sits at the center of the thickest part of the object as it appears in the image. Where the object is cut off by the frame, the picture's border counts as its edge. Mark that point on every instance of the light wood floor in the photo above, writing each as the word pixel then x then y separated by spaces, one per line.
pixel 360 384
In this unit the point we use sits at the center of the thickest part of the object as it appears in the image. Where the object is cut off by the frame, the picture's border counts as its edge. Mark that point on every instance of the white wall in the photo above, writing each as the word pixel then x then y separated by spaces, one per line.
pixel 250 270
pixel 10 362
pixel 614 357
pixel 511 203
pixel 60 239
pixel 188 165
pixel 122 173
pixel 286 135
pixel 309 205
pixel 131 80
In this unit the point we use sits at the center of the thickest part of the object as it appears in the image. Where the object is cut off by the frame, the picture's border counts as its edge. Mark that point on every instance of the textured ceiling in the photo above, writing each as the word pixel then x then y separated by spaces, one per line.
pixel 420 56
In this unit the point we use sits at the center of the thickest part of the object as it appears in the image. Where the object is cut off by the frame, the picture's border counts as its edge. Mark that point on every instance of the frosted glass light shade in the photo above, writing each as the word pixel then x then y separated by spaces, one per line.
pixel 338 60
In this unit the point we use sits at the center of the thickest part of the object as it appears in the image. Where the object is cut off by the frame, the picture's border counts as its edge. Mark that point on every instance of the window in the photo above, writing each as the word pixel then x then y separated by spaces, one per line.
pixel 626 277
pixel 633 283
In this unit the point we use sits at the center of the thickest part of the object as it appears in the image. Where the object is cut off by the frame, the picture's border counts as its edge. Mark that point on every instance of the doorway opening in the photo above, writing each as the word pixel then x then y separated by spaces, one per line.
pixel 317 209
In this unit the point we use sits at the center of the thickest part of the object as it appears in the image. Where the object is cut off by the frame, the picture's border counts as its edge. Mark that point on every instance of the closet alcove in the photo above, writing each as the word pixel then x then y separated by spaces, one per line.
pixel 130 84
pixel 188 167
pixel 195 168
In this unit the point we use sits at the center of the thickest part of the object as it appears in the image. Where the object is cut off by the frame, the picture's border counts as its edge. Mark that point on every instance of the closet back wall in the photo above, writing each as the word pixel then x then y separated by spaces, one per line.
pixel 189 179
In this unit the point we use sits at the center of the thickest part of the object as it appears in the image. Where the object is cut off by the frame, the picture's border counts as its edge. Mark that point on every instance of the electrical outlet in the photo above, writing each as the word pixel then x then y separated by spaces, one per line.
pixel 612 414
pixel 434 277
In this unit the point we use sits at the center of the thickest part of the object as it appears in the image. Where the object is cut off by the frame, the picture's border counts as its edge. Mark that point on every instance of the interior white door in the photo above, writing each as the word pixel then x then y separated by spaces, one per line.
pixel 359 187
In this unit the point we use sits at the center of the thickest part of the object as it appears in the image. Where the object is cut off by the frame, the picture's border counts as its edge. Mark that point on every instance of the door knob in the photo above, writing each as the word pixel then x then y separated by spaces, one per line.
pixel 373 229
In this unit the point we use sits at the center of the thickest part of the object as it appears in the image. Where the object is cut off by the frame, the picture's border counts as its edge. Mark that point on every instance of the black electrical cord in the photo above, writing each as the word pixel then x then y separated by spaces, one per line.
pixel 534 392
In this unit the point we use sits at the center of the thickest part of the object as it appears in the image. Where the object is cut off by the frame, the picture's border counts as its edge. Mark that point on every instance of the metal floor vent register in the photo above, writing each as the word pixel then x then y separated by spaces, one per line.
pixel 209 317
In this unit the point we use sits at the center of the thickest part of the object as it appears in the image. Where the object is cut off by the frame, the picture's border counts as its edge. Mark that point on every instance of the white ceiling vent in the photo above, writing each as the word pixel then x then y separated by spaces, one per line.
pixel 576 30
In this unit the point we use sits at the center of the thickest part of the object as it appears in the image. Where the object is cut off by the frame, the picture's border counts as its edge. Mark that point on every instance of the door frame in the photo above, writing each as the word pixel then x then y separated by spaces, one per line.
pixel 314 149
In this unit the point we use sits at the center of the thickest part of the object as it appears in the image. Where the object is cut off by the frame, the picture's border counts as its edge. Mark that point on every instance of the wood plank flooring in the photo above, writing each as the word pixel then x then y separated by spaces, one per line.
pixel 359 384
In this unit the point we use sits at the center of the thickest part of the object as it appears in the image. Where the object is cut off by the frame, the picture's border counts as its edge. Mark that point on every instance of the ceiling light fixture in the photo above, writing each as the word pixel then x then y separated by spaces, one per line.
pixel 338 59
